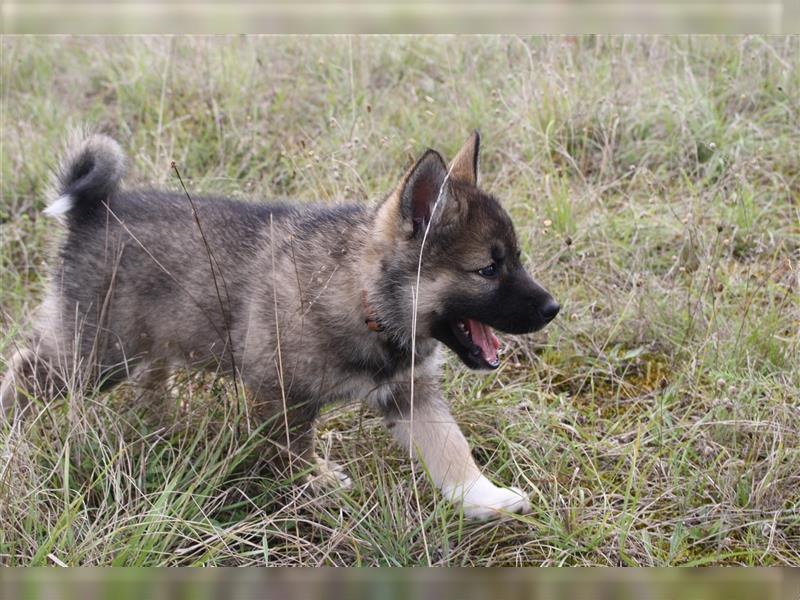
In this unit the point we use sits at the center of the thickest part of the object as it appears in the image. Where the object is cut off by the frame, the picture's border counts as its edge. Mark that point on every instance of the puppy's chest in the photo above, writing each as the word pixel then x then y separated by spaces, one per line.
pixel 377 380
pixel 383 360
pixel 376 392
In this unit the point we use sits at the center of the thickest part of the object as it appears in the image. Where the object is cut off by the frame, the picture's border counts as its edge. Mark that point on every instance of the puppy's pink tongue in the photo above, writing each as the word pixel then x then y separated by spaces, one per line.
pixel 486 340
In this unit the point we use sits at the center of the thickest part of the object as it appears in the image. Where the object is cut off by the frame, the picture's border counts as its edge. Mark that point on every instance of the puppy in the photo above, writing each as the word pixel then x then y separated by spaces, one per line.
pixel 304 305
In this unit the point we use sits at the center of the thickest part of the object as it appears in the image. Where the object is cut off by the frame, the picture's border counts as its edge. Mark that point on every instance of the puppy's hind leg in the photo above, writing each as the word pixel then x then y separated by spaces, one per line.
pixel 28 375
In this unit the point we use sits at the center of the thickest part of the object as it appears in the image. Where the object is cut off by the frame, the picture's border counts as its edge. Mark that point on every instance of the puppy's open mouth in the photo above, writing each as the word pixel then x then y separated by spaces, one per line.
pixel 478 339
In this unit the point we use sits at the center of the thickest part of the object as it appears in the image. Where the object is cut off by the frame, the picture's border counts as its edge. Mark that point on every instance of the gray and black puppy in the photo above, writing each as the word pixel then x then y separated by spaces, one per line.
pixel 307 305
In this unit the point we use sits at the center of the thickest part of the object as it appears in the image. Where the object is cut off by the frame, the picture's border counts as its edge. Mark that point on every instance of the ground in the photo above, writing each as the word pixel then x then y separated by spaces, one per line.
pixel 655 185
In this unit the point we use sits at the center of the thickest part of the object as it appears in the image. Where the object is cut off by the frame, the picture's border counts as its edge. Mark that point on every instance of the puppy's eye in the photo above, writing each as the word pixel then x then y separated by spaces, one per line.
pixel 489 271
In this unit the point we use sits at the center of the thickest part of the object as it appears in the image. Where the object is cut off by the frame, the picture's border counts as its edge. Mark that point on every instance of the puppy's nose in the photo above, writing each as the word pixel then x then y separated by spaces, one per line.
pixel 550 310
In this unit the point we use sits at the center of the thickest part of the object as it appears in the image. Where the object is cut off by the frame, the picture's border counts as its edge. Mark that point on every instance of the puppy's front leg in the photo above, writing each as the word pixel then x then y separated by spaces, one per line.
pixel 436 440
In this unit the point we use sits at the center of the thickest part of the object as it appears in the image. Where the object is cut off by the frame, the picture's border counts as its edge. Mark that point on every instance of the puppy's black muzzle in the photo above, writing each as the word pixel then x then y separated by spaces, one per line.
pixel 550 310
pixel 523 306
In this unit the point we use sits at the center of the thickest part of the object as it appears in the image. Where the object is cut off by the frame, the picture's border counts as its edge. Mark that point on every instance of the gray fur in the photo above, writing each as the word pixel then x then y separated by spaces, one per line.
pixel 90 172
pixel 131 291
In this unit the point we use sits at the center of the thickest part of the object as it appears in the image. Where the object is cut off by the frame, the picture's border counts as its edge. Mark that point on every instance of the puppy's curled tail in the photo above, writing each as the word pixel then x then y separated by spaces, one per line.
pixel 89 173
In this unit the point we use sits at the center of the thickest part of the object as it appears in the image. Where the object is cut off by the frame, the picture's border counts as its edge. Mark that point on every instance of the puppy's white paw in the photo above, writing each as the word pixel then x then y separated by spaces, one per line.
pixel 484 500
pixel 328 475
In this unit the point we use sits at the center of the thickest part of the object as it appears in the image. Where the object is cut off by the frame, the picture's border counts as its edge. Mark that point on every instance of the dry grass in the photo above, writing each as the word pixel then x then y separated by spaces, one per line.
pixel 655 184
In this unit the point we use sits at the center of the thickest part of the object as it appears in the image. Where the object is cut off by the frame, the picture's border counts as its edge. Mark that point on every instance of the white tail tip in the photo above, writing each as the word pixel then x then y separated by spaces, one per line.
pixel 61 206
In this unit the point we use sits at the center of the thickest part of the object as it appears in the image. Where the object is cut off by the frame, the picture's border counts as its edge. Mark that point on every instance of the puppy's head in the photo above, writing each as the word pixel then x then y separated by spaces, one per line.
pixel 471 278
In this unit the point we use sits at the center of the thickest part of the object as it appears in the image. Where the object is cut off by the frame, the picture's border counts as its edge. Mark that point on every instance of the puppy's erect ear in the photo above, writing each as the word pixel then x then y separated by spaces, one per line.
pixel 464 167
pixel 406 212
pixel 421 189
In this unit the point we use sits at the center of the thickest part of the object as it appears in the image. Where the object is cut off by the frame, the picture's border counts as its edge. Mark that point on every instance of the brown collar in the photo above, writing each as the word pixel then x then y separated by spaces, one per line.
pixel 371 320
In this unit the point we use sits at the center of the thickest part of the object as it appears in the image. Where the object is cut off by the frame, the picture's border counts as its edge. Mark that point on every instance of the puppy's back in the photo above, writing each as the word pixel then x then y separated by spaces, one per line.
pixel 143 272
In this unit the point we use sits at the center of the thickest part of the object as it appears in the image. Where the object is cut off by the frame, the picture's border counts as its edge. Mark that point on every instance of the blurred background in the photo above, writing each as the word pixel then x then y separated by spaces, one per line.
pixel 420 16
pixel 654 183
pixel 384 584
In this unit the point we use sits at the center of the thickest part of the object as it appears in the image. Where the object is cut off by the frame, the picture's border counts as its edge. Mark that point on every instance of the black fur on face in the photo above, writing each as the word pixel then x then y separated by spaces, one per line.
pixel 489 284
pixel 472 280
pixel 518 305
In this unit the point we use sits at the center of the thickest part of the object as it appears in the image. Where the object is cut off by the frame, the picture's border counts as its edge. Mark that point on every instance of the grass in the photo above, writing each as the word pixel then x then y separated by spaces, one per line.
pixel 655 185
